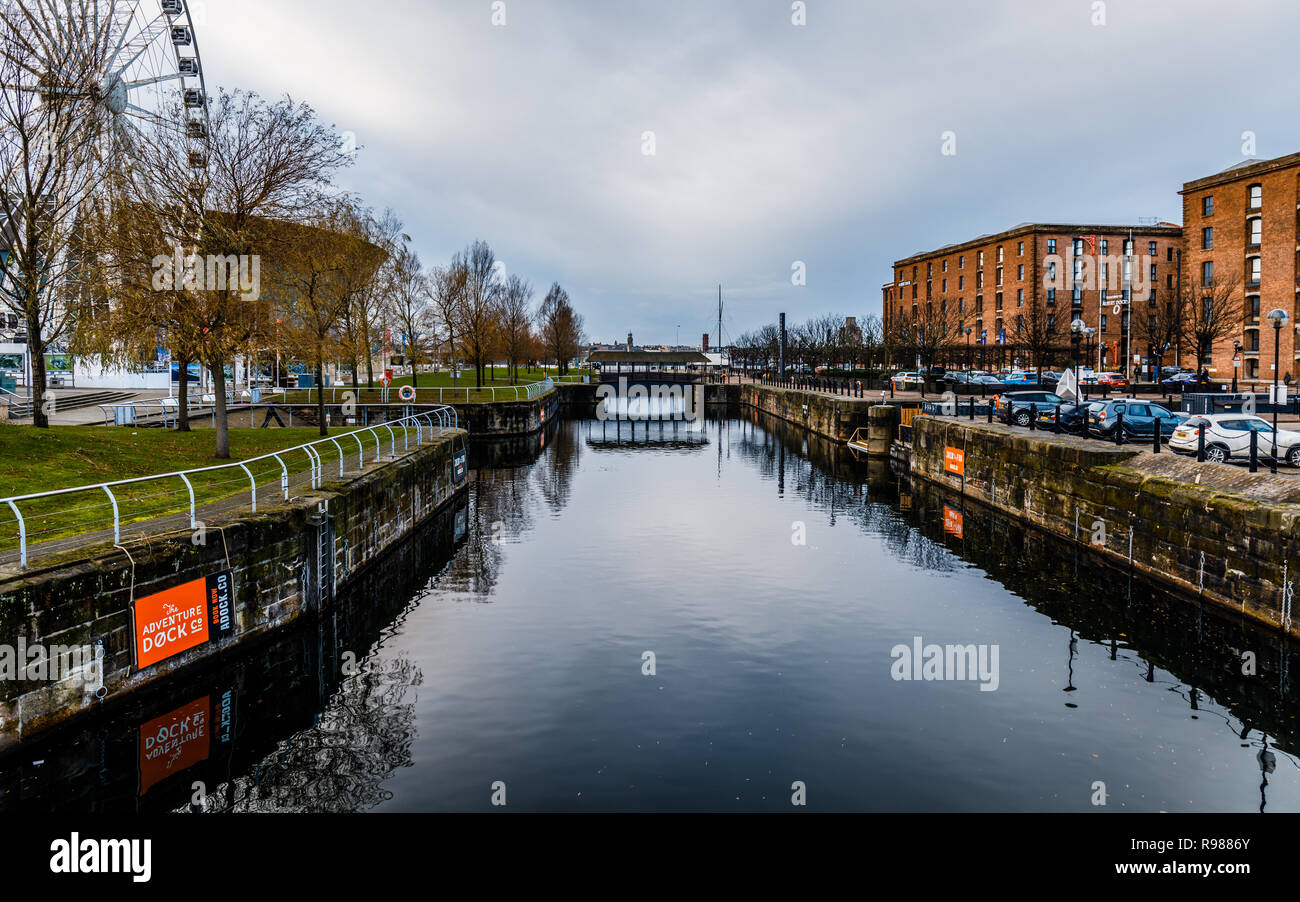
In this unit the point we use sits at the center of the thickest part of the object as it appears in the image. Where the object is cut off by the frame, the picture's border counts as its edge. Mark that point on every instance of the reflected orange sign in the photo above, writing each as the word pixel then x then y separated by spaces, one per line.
pixel 173 742
pixel 954 461
pixel 952 521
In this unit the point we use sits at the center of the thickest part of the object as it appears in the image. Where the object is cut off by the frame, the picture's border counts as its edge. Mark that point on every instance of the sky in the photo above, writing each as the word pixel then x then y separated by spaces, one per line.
pixel 777 147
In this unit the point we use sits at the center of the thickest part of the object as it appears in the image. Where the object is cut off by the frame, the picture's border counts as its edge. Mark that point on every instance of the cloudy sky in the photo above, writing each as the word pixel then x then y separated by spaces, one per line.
pixel 773 142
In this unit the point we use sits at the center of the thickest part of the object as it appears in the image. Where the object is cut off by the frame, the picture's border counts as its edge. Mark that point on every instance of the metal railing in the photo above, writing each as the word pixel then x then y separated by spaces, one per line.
pixel 422 395
pixel 203 485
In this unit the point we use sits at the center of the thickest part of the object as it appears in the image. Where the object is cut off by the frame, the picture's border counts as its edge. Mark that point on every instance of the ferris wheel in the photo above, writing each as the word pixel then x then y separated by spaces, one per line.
pixel 139 67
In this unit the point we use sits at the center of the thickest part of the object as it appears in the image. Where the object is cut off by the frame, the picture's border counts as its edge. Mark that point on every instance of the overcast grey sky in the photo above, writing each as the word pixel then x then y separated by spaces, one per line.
pixel 774 143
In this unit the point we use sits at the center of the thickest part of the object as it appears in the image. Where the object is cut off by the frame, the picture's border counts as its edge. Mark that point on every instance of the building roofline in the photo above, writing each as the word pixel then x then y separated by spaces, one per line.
pixel 1241 171
pixel 1030 228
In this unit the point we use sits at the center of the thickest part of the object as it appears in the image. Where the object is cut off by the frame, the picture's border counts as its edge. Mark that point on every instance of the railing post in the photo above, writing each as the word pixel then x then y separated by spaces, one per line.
pixel 252 486
pixel 361 451
pixel 394 440
pixel 22 534
pixel 117 528
pixel 186 480
pixel 284 476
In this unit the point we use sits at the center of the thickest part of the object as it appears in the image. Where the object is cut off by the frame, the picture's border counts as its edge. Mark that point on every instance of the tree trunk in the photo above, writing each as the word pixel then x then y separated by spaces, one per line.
pixel 182 395
pixel 219 397
pixel 320 397
pixel 36 348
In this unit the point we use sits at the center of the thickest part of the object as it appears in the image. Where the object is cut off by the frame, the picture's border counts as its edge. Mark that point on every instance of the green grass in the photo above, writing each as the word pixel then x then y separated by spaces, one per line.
pixel 39 460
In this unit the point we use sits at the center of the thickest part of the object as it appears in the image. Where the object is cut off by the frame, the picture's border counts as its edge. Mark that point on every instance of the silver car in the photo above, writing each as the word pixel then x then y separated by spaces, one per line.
pixel 1227 436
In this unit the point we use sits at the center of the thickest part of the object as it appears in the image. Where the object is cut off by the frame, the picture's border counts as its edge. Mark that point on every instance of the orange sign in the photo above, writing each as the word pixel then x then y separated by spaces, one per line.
pixel 173 742
pixel 182 617
pixel 952 521
pixel 954 461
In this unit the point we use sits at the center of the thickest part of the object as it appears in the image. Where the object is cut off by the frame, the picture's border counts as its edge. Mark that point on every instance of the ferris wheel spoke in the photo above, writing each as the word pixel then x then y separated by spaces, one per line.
pixel 141 82
pixel 123 22
pixel 146 38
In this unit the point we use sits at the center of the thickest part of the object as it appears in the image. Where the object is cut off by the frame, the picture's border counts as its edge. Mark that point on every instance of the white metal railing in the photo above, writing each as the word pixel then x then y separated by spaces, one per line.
pixel 426 424
pixel 426 395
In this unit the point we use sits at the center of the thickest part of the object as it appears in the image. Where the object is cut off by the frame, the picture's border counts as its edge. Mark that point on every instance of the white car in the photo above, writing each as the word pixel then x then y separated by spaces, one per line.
pixel 1227 436
pixel 906 379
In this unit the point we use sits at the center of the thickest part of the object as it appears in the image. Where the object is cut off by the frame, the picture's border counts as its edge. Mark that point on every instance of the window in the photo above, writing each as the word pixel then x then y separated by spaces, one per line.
pixel 961 261
pixel 961 282
pixel 1252 308
pixel 1051 295
pixel 1105 274
pixel 999 275
pixel 1103 322
pixel 999 253
pixel 1077 299
pixel 1252 339
pixel 1105 245
pixel 1207 272
pixel 1051 323
pixel 998 301
pixel 1207 239
pixel 1151 323
pixel 914 291
pixel 961 305
pixel 979 260
pixel 1020 252
pixel 1020 272
pixel 1020 297
pixel 1169 253
pixel 945 286
pixel 914 273
pixel 1051 245
pixel 1128 247
pixel 1207 205
pixel 1153 274
pixel 1256 197
pixel 929 270
pixel 1252 270
pixel 1051 271
pixel 979 278
pixel 1151 249
pixel 945 265
pixel 1169 281
pixel 1255 227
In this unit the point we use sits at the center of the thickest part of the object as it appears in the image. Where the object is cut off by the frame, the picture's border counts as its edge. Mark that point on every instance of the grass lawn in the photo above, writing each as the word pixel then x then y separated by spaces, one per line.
pixel 38 460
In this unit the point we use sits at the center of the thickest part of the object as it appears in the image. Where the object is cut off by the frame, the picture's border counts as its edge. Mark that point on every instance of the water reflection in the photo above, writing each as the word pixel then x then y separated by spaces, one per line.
pixel 505 642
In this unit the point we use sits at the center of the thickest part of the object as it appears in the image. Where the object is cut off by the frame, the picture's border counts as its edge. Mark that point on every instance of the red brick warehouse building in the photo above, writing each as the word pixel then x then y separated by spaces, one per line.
pixel 1019 290
pixel 1243 240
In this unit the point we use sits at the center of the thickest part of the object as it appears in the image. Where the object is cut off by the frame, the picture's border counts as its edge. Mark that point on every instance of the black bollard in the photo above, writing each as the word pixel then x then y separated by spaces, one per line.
pixel 990 409
pixel 1119 428
pixel 972 407
pixel 1033 417
pixel 1200 442
pixel 1254 451
pixel 1156 437
pixel 1058 418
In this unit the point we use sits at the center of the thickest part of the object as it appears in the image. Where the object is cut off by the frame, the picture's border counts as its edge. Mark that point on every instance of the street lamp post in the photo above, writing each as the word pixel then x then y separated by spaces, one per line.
pixel 1236 362
pixel 1076 336
pixel 1278 318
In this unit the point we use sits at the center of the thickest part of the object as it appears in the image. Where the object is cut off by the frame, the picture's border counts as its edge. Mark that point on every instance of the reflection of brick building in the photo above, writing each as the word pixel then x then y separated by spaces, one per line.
pixel 998 286
pixel 1243 225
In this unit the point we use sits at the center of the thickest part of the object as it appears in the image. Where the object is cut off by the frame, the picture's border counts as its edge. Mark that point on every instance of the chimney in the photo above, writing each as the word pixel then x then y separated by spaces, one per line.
pixel 629 341
pixel 704 346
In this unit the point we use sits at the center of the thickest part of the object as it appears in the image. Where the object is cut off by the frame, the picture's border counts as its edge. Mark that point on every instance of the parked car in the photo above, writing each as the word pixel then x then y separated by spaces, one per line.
pixel 903 380
pixel 1178 380
pixel 1072 416
pixel 1139 417
pixel 1111 380
pixel 1017 406
pixel 1227 436
pixel 1018 379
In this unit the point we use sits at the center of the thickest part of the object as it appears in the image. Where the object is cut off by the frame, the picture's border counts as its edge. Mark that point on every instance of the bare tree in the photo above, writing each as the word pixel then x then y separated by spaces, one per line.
pixel 560 326
pixel 516 323
pixel 1213 312
pixel 480 313
pixel 447 295
pixel 1039 334
pixel 409 299
pixel 53 144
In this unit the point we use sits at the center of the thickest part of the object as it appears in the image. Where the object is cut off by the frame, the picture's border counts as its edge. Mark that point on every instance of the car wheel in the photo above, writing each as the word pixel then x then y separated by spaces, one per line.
pixel 1022 418
pixel 1293 456
pixel 1217 454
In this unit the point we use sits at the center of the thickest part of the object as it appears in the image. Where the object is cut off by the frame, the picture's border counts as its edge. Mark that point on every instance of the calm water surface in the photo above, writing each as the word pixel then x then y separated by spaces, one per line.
pixel 508 644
